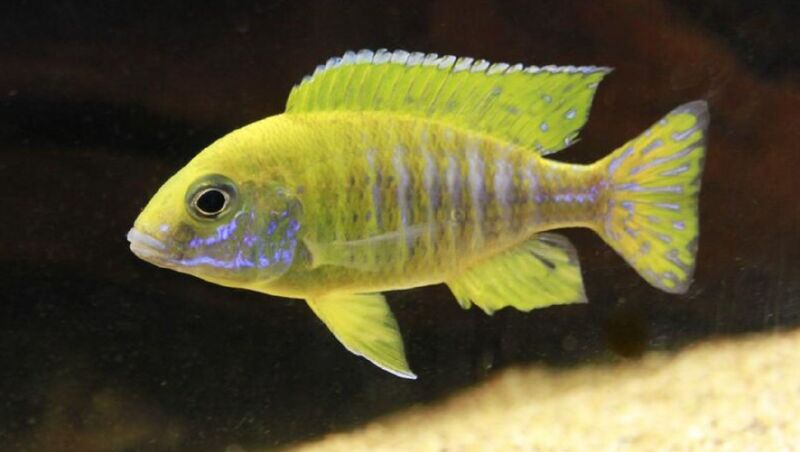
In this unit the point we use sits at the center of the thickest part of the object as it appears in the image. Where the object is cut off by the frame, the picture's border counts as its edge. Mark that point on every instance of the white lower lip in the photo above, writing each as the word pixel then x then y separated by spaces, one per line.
pixel 140 239
pixel 144 246
pixel 144 252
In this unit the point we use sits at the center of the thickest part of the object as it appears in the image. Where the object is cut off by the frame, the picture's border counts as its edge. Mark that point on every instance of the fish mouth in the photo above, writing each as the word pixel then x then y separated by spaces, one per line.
pixel 145 246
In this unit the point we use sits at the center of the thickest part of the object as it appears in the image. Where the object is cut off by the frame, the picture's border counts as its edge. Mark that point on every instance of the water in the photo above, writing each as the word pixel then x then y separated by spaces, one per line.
pixel 101 101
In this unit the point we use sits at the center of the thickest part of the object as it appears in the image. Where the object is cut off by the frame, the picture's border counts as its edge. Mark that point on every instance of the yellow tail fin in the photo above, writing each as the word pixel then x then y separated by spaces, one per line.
pixel 654 181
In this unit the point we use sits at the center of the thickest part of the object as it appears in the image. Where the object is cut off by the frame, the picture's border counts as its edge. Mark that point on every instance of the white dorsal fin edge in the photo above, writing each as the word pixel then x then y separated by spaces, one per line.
pixel 381 56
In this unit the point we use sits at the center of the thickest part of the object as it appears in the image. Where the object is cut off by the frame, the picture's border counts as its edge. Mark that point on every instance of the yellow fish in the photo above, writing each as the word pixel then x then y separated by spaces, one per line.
pixel 392 170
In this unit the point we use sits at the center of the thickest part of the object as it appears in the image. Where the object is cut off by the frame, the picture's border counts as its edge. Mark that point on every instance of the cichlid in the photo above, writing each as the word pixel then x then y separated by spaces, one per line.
pixel 392 170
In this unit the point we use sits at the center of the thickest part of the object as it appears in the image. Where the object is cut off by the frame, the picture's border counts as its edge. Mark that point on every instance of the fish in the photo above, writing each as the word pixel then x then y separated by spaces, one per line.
pixel 390 170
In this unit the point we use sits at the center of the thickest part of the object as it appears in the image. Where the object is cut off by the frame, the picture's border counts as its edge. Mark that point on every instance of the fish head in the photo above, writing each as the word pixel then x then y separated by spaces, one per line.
pixel 218 225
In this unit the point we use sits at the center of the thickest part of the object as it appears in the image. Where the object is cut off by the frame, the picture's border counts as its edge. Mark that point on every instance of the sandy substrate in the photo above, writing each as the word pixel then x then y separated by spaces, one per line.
pixel 741 394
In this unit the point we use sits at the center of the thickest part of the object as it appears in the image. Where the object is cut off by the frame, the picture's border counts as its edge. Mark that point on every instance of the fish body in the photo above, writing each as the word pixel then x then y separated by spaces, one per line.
pixel 392 170
pixel 399 202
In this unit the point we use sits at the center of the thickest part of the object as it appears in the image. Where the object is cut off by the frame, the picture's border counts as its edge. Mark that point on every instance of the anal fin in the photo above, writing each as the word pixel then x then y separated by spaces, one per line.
pixel 364 324
pixel 541 272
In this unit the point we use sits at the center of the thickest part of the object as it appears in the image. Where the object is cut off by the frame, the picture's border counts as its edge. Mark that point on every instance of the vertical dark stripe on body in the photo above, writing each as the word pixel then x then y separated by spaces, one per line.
pixel 405 205
pixel 454 219
pixel 532 193
pixel 503 190
pixel 476 177
pixel 376 179
pixel 431 184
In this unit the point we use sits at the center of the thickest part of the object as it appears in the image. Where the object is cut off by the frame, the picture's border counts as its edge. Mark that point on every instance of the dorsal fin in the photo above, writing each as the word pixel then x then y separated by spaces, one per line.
pixel 542 108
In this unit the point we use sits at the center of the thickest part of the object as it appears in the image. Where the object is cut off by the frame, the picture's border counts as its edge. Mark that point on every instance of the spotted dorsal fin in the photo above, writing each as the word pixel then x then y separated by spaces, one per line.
pixel 542 108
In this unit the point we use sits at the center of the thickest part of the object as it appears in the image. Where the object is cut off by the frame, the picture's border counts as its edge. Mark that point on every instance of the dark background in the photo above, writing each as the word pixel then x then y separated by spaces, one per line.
pixel 100 101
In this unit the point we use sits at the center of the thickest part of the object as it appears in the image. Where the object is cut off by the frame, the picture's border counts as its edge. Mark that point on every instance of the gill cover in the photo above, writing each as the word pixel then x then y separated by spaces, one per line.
pixel 255 240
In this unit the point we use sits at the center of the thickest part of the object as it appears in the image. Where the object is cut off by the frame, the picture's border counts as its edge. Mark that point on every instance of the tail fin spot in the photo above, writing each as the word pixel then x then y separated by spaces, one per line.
pixel 668 206
pixel 676 171
pixel 616 162
pixel 655 144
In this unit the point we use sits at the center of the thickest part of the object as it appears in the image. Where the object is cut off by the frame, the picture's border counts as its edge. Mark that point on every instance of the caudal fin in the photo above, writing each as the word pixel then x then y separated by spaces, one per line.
pixel 654 182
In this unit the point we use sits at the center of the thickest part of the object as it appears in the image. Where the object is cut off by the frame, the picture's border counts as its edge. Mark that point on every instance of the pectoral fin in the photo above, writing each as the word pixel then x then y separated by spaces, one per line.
pixel 541 272
pixel 366 327
pixel 372 253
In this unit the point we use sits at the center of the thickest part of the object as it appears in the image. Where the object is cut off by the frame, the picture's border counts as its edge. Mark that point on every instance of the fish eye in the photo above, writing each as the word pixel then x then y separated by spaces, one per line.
pixel 211 199
pixel 210 202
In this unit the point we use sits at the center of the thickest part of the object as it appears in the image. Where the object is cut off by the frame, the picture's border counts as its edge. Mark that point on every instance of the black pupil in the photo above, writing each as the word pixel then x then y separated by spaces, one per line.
pixel 211 202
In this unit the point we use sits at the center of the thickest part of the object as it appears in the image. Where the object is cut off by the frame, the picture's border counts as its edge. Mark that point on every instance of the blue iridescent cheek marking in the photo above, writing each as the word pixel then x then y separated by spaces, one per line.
pixel 275 248
pixel 283 250
pixel 223 232
pixel 250 240
pixel 242 262
pixel 238 262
